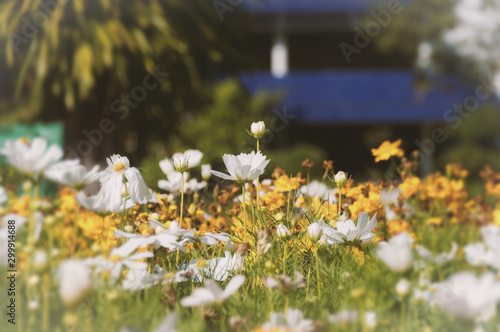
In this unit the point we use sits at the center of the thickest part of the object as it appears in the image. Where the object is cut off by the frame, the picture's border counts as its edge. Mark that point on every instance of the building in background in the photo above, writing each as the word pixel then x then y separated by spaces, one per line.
pixel 346 96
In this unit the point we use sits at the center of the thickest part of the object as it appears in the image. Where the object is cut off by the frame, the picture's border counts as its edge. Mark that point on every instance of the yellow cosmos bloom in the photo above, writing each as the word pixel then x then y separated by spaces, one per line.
pixel 387 150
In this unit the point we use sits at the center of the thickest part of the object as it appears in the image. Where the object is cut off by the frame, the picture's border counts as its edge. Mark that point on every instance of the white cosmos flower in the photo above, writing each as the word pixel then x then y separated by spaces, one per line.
pixel 3 196
pixel 74 281
pixel 112 184
pixel 442 258
pixel 397 253
pixel 343 317
pixel 72 174
pixel 31 157
pixel 212 293
pixel 315 189
pixel 140 279
pixel 219 268
pixel 466 296
pixel 135 241
pixel 173 183
pixel 213 239
pixel 491 235
pixel 293 320
pixel 348 232
pixel 100 206
pixel 243 167
pixel 115 263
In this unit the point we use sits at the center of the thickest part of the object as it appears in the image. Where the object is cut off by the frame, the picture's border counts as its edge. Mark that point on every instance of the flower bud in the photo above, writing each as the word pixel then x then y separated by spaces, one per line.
pixel 40 260
pixel 74 281
pixel 27 185
pixel 282 231
pixel 340 178
pixel 154 216
pixel 403 287
pixel 230 246
pixel 128 229
pixel 205 171
pixel 258 129
pixel 278 216
pixel 33 280
pixel 314 231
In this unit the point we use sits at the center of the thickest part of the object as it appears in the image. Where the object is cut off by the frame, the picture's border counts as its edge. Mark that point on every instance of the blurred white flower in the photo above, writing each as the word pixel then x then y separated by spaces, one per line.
pixel 292 320
pixel 74 281
pixel 138 279
pixel 347 232
pixel 31 158
pixel 403 287
pixel 343 317
pixel 370 319
pixel 397 253
pixel 3 196
pixel 113 186
pixel 315 189
pixel 284 283
pixel 243 167
pixel 213 239
pixel 115 263
pixel 40 259
pixel 72 174
pixel 438 259
pixel 219 268
pixel 205 171
pixel 282 231
pixel 135 241
pixel 212 293
pixel 181 162
pixel 466 296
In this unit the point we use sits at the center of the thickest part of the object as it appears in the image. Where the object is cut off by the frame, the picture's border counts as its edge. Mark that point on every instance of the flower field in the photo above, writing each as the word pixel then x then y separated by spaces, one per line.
pixel 246 248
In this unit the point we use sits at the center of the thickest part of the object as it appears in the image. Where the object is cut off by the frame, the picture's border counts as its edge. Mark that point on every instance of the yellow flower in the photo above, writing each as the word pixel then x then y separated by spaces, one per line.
pixel 387 150
pixel 434 221
pixel 409 186
pixel 496 217
pixel 284 183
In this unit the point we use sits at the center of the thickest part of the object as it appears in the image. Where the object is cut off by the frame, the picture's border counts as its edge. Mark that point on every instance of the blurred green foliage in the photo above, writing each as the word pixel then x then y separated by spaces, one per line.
pixel 476 142
pixel 73 59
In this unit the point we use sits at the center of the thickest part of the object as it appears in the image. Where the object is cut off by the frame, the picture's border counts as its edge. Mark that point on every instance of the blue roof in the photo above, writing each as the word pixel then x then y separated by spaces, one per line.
pixel 309 6
pixel 356 96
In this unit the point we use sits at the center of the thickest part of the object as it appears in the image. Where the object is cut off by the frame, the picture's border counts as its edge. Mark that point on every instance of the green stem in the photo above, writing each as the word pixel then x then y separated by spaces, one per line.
pixel 182 199
pixel 317 272
pixel 340 203
pixel 244 212
pixel 258 181
pixel 284 257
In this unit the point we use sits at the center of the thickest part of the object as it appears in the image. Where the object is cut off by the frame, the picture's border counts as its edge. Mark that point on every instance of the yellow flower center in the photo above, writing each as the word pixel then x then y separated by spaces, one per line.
pixel 116 258
pixel 25 141
pixel 201 263
pixel 119 167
